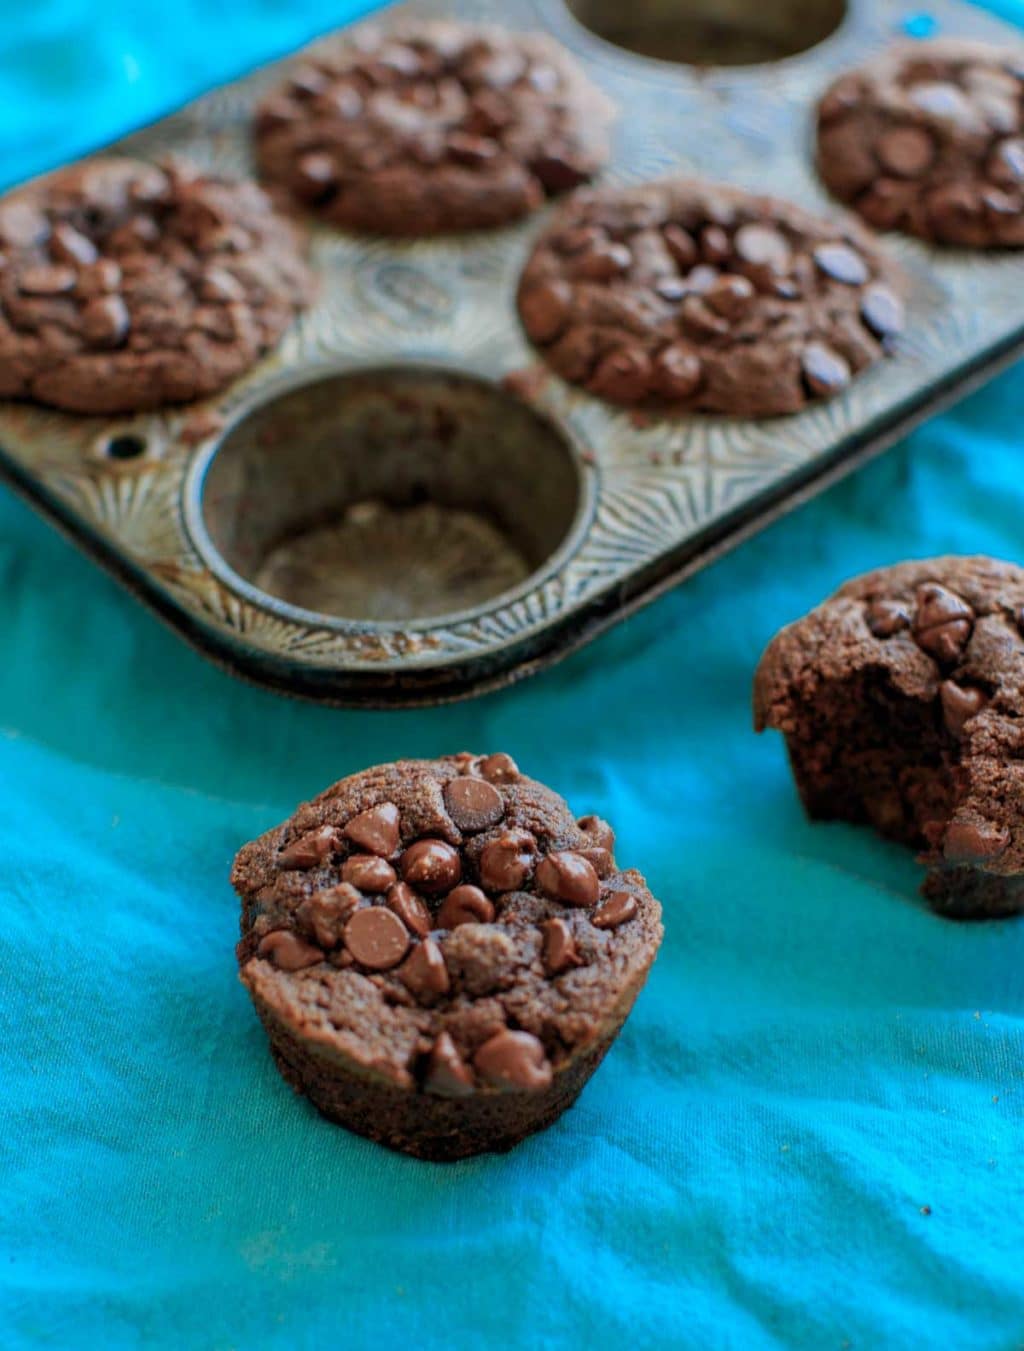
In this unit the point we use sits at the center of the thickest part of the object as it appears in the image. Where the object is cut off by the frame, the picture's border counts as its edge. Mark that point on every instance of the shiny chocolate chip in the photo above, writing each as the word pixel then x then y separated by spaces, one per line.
pixel 559 951
pixel 375 830
pixel 514 1060
pixel 447 1073
pixel 409 909
pixel 376 938
pixel 368 872
pixel 616 909
pixel 507 862
pixel 431 866
pixel 424 971
pixel 465 905
pixel 288 951
pixel 568 877
pixel 473 804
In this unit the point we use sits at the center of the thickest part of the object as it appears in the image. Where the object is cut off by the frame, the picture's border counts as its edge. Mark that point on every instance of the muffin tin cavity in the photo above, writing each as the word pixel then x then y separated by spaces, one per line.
pixel 711 32
pixel 389 495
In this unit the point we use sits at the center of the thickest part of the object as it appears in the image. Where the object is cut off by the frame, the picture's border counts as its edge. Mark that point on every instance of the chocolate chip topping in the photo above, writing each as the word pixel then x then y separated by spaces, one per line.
pixel 410 909
pixel 942 622
pixel 431 866
pixel 513 1060
pixel 424 126
pixel 616 909
pixel 496 890
pixel 447 1074
pixel 375 830
pixel 368 873
pixel 690 294
pixel 569 878
pixel 473 804
pixel 927 139
pixel 287 951
pixel 376 938
pixel 959 705
pixel 560 952
pixel 465 905
pixel 124 286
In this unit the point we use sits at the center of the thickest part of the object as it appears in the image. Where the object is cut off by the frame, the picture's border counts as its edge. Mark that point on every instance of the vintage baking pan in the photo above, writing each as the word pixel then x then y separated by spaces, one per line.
pixel 371 517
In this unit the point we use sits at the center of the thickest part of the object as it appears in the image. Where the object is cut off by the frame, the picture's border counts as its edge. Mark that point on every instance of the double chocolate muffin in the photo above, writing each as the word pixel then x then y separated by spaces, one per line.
pixel 440 952
pixel 929 138
pixel 902 702
pixel 126 285
pixel 424 127
pixel 700 297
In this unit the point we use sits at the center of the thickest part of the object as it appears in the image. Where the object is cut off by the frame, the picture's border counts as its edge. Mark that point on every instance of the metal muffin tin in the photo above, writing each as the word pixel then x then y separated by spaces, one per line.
pixel 370 518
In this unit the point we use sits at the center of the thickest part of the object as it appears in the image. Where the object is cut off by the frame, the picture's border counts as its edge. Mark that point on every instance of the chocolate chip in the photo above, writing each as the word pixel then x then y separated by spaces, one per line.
pixel 579 238
pixel 376 938
pixel 472 150
pixel 447 1074
pixel 325 913
pixel 47 280
pixel 99 278
pixel 842 264
pixel 623 375
pixel 825 371
pixel 409 909
pixel 473 804
pixel 619 907
pixel 599 859
pixel 465 905
pixel 942 622
pixel 882 310
pixel 1006 163
pixel 507 862
pixel 431 866
pixel 498 768
pixel 220 285
pixel 906 151
pixel 944 101
pixel 671 289
pixel 714 245
pixel 602 261
pixel 974 841
pixel 310 850
pixel 959 704
pixel 559 951
pixel 680 245
pixel 558 172
pixel 568 877
pixel 105 321
pixel 22 225
pixel 368 873
pixel 730 296
pixel 316 177
pixel 545 310
pixel 424 971
pixel 375 830
pixel 676 372
pixel 886 617
pixel 68 245
pixel 700 320
pixel 761 246
pixel 514 1060
pixel 287 951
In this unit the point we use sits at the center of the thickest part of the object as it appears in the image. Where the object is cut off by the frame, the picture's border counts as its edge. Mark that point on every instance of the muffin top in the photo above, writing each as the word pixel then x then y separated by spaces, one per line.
pixel 422 127
pixel 928 138
pixel 446 924
pixel 694 295
pixel 126 285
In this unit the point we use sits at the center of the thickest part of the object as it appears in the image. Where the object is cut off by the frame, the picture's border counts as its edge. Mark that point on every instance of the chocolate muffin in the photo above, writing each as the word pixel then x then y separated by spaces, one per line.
pixel 424 127
pixel 704 298
pixel 126 286
pixel 440 952
pixel 929 139
pixel 901 700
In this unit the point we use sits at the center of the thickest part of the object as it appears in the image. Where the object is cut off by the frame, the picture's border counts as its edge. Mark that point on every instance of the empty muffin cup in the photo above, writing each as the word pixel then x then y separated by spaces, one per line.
pixel 388 495
pixel 711 32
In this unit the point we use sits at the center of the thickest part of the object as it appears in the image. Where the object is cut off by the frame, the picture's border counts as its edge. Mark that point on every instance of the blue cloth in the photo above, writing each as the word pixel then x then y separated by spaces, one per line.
pixel 810 1133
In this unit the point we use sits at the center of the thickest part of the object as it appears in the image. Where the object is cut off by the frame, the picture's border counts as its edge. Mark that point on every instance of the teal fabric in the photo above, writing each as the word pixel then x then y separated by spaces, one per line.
pixel 810 1133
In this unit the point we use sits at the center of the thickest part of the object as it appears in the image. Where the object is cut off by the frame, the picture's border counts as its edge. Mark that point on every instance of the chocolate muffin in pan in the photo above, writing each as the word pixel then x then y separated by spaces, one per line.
pixel 126 285
pixel 901 700
pixel 929 139
pixel 699 297
pixel 440 952
pixel 423 127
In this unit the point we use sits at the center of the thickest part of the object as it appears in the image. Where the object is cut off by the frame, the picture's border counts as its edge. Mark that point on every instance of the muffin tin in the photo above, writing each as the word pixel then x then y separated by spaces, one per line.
pixel 400 505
